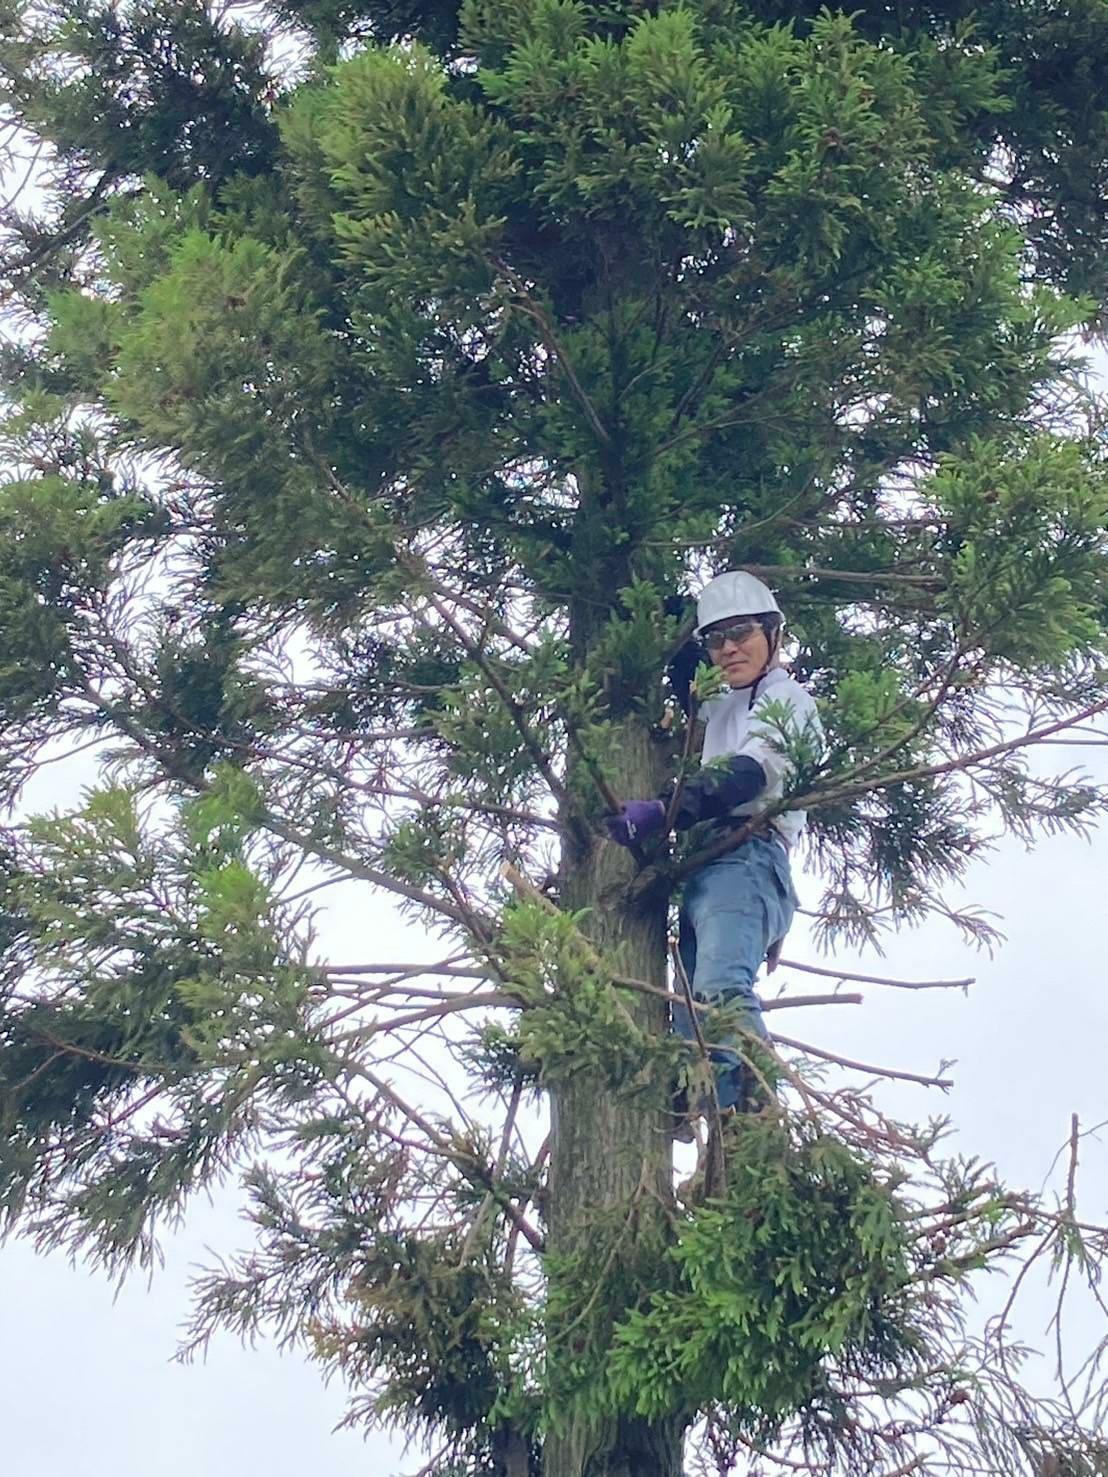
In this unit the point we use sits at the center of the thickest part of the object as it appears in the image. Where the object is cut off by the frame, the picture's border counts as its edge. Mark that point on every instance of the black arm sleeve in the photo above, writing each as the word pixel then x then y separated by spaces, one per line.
pixel 713 793
pixel 681 671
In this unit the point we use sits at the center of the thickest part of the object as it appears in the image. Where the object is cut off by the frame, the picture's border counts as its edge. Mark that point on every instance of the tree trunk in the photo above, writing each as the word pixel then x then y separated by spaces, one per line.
pixel 612 1148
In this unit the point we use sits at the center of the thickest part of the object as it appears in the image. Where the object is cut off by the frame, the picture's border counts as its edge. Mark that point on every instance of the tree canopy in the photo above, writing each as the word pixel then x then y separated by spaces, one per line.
pixel 382 382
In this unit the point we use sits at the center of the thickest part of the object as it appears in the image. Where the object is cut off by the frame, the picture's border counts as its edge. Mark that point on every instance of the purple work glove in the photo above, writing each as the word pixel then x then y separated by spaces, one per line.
pixel 636 821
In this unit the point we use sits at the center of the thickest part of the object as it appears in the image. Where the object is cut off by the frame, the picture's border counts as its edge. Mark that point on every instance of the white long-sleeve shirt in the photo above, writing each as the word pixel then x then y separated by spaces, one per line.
pixel 733 726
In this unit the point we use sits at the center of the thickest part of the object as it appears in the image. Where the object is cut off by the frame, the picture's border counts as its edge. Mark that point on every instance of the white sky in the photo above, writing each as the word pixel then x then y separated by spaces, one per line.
pixel 88 1383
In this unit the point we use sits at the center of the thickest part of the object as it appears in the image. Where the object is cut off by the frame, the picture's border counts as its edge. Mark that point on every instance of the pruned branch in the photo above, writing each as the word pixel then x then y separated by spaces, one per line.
pixel 875 979
pixel 843 1061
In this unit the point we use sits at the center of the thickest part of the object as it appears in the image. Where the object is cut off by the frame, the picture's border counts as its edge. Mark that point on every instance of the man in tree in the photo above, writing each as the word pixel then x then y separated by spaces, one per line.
pixel 363 422
pixel 736 909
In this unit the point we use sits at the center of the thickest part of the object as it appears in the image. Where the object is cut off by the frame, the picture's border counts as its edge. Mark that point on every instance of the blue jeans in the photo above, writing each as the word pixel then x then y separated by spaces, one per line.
pixel 732 912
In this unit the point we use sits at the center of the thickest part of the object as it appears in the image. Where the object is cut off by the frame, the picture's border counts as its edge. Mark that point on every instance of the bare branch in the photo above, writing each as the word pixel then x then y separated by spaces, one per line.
pixel 843 1061
pixel 527 305
pixel 450 1005
pixel 476 1173
pixel 816 799
pixel 407 971
pixel 875 979
pixel 538 754
pixel 342 861
pixel 849 576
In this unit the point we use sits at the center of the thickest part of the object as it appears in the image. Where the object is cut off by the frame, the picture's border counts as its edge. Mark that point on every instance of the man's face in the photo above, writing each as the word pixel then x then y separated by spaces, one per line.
pixel 739 648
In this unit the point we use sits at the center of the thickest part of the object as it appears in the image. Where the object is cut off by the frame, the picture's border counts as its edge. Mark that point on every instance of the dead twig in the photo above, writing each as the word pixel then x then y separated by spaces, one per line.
pixel 875 979
pixel 843 1061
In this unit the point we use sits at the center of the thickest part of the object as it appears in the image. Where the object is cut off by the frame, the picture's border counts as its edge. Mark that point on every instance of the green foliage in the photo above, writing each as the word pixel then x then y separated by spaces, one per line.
pixel 483 733
pixel 494 1058
pixel 137 236
pixel 801 746
pixel 425 1326
pixel 58 538
pixel 802 1269
pixel 574 1021
pixel 419 178
pixel 708 682
pixel 630 652
pixel 438 1329
pixel 1044 608
pixel 163 964
pixel 422 848
pixel 594 1291
pixel 386 378
pixel 176 370
pixel 156 88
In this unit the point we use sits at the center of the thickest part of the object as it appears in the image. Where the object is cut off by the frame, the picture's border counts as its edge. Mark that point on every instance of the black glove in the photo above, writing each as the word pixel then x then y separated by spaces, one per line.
pixel 710 795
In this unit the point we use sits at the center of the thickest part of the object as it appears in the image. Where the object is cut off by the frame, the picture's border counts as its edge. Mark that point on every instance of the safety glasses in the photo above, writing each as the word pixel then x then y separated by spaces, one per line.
pixel 736 632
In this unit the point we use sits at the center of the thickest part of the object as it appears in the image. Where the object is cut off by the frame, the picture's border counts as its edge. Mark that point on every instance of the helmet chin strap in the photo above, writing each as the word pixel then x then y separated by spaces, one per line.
pixel 774 644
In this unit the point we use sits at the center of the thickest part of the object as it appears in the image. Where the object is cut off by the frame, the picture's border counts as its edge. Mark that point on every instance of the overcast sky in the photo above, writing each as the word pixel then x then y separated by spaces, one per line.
pixel 87 1381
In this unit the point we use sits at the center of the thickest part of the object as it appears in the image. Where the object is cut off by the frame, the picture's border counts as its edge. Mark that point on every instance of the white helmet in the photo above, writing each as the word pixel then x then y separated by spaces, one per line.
pixel 734 593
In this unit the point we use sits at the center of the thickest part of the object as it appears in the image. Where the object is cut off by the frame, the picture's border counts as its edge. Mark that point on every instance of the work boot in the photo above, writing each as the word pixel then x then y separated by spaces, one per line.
pixel 758 1090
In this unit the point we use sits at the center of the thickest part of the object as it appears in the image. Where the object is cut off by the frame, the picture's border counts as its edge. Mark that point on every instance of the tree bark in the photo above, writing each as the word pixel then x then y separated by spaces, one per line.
pixel 613 1148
